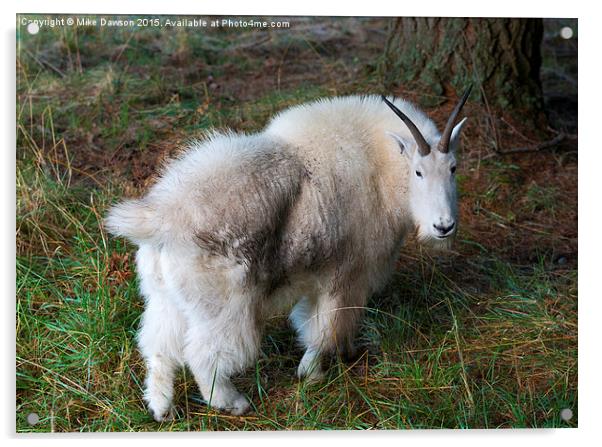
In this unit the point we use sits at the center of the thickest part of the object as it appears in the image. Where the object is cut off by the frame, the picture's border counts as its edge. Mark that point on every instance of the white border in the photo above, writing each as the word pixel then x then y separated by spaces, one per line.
pixel 437 8
pixel 589 216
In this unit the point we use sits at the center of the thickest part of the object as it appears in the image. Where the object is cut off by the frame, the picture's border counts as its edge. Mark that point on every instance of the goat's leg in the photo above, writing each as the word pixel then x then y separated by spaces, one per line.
pixel 219 347
pixel 160 337
pixel 161 368
pixel 325 325
pixel 222 331
pixel 303 317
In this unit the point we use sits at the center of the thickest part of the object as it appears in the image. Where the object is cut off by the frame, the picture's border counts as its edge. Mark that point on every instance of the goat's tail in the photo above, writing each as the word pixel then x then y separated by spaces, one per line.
pixel 135 219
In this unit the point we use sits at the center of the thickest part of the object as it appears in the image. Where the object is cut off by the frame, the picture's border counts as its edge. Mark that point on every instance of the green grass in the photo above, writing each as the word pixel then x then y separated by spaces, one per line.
pixel 484 339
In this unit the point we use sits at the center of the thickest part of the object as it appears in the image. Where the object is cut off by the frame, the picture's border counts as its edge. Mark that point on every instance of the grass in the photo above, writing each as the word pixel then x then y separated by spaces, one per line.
pixel 486 338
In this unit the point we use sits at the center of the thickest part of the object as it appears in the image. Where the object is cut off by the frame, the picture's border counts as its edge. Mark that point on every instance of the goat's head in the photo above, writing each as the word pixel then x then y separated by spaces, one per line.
pixel 432 181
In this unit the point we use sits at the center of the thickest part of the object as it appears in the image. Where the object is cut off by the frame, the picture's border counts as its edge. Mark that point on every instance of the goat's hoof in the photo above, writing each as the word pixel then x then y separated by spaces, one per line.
pixel 312 375
pixel 240 406
pixel 310 369
pixel 315 377
pixel 233 402
pixel 162 415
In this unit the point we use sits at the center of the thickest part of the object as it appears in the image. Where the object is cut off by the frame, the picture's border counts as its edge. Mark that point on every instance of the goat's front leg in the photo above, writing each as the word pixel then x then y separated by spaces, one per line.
pixel 325 326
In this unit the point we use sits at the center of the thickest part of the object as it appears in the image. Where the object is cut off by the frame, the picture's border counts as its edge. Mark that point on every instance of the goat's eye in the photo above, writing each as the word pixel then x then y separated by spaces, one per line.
pixel 419 174
pixel 453 169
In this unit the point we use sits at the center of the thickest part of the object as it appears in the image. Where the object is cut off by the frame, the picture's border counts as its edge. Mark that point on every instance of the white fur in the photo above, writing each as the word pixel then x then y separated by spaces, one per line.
pixel 336 180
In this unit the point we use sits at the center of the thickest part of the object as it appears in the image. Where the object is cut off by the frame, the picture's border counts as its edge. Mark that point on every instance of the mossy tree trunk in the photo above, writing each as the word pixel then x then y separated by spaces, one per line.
pixel 501 57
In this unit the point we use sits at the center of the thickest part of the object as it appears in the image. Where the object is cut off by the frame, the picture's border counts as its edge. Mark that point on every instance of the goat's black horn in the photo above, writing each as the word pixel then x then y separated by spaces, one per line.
pixel 449 127
pixel 423 146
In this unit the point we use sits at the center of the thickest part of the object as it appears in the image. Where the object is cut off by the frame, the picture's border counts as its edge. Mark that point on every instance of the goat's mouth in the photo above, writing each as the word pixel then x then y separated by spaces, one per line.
pixel 437 240
pixel 446 236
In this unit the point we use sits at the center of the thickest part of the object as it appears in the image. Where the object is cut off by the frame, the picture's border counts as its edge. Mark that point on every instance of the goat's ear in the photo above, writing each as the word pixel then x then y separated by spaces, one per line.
pixel 405 146
pixel 454 141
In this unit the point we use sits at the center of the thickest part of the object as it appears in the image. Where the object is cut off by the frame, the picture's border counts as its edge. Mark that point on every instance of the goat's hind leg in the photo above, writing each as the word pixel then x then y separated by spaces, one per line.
pixel 220 347
pixel 160 336
pixel 223 332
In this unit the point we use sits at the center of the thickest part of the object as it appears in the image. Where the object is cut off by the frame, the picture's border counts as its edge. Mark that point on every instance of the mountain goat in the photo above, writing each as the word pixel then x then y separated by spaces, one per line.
pixel 308 214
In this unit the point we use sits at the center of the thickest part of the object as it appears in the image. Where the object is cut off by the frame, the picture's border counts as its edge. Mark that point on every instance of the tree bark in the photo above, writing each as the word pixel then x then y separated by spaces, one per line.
pixel 500 57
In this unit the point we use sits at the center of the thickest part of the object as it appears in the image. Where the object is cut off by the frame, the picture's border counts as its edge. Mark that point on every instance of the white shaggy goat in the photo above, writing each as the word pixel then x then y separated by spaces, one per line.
pixel 311 213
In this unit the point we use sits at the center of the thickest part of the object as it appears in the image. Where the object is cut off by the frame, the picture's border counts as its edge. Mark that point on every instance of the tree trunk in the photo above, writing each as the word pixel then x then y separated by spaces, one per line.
pixel 501 57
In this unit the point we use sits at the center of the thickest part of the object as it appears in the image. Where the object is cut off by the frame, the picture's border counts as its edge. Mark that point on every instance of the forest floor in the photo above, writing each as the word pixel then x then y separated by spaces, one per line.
pixel 484 337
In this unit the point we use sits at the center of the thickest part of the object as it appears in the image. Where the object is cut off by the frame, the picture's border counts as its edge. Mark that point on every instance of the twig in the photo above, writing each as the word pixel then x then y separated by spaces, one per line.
pixel 498 146
pixel 538 147
pixel 499 218
pixel 44 63
pixel 569 136
pixel 516 131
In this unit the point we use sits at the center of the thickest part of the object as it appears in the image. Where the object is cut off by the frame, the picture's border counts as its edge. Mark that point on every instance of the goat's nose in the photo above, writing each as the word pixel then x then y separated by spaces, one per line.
pixel 444 229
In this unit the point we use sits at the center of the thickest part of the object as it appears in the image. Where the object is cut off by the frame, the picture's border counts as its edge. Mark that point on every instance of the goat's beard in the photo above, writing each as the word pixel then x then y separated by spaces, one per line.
pixel 434 243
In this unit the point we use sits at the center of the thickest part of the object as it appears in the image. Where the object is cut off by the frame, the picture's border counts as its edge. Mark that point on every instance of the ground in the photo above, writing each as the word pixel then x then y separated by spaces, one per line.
pixel 483 337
